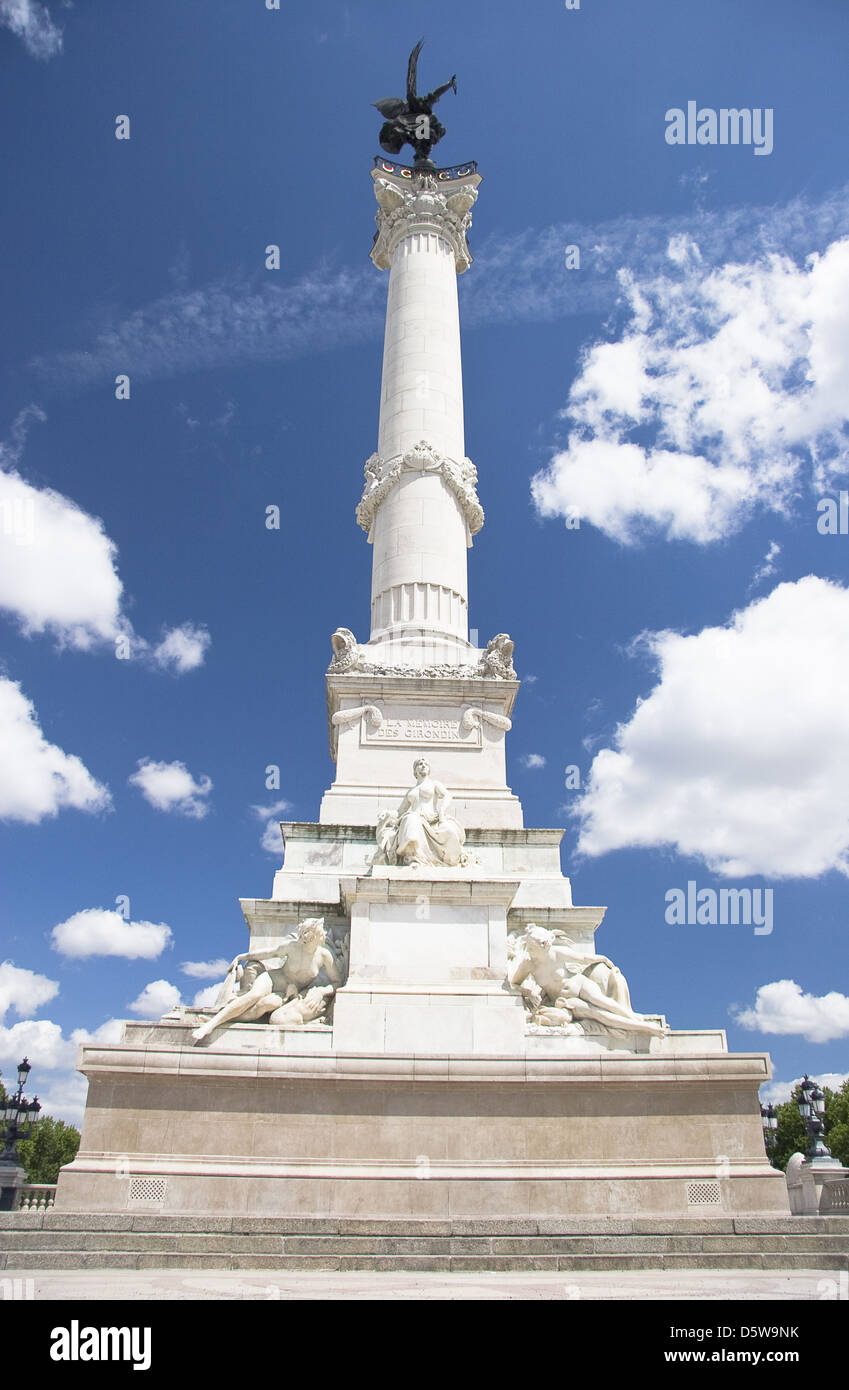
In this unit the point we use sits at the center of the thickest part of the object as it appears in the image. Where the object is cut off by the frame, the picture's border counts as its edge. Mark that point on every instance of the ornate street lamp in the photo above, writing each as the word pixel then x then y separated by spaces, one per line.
pixel 769 1120
pixel 811 1102
pixel 18 1115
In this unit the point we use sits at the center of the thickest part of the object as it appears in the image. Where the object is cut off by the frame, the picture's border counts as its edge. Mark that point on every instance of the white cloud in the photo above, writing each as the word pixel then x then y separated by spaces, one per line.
pixel 64 1097
pixel 740 754
pixel 734 378
pixel 271 840
pixel 768 566
pixel 781 1007
pixel 32 23
pixel 205 998
pixel 39 779
pixel 39 1040
pixel 108 1032
pixel 171 787
pixel 23 990
pixel 57 566
pixel 62 1094
pixel 206 969
pixel 58 571
pixel 182 649
pixel 156 999
pixel 100 931
pixel 519 278
pixel 776 1092
pixel 532 760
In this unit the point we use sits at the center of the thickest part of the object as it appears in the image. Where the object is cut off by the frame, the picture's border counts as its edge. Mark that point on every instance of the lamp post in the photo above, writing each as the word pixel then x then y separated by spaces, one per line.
pixel 18 1117
pixel 769 1120
pixel 811 1102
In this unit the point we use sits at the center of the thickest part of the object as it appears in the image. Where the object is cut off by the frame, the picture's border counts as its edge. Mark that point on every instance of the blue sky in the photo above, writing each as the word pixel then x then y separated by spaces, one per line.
pixel 682 393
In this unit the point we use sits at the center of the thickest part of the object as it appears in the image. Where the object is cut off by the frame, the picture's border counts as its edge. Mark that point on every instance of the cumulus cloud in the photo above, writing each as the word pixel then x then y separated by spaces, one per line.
pixel 727 386
pixel 100 931
pixel 62 1093
pixel 532 760
pixel 776 1092
pixel 739 756
pixel 108 1032
pixel 40 1040
pixel 205 998
pixel 782 1007
pixel 64 1097
pixel 270 839
pixel 57 566
pixel 182 649
pixel 39 779
pixel 32 23
pixel 171 787
pixel 206 969
pixel 23 990
pixel 59 576
pixel 156 999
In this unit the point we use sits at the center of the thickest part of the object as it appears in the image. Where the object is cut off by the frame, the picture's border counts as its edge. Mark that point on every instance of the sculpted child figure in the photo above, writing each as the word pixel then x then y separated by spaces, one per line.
pixel 268 980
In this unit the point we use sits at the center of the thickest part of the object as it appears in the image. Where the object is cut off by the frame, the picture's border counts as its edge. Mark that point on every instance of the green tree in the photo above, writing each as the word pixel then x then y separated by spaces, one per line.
pixel 53 1144
pixel 791 1136
pixel 837 1122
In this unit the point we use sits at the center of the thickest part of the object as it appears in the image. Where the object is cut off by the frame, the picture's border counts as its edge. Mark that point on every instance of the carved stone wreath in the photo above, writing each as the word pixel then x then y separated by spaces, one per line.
pixel 381 475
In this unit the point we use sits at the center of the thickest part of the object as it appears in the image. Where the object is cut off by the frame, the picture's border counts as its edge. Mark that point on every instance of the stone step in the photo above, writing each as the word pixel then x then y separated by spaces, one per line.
pixel 130 1240
pixel 174 1242
pixel 481 1264
pixel 203 1224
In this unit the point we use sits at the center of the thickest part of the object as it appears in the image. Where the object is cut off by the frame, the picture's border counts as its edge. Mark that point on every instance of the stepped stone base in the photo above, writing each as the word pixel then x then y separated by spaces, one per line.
pixel 335 1135
pixel 78 1240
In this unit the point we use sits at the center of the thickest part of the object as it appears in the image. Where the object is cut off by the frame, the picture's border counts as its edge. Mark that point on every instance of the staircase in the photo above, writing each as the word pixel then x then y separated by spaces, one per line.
pixel 50 1239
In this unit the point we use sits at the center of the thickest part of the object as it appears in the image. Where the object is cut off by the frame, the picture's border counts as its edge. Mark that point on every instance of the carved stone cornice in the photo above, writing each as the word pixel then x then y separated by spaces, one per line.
pixel 381 475
pixel 495 663
pixel 421 204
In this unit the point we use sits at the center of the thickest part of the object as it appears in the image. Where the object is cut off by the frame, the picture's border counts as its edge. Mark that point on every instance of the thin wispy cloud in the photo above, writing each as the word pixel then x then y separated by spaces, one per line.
pixel 32 23
pixel 517 278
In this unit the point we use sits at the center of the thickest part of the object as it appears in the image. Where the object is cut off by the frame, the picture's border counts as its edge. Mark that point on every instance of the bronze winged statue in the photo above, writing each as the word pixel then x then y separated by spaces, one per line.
pixel 410 120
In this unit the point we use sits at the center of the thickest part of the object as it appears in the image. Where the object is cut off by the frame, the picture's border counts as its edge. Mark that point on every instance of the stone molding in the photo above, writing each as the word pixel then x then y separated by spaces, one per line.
pixel 592 1070
pixel 381 475
pixel 420 204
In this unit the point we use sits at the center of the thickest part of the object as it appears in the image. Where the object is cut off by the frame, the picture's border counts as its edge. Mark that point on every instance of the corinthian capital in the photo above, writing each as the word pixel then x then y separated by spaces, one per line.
pixel 420 203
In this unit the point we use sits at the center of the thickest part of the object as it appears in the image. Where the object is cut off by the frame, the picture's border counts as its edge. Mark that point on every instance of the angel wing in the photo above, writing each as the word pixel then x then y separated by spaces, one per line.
pixel 411 70
pixel 391 107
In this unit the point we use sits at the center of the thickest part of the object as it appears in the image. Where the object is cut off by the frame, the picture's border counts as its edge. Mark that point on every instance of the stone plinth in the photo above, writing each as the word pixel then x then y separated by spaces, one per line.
pixel 410 1137
pixel 380 725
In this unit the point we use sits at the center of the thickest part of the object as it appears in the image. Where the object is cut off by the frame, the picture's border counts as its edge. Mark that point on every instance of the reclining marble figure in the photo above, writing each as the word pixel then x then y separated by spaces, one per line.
pixel 275 984
pixel 421 831
pixel 561 986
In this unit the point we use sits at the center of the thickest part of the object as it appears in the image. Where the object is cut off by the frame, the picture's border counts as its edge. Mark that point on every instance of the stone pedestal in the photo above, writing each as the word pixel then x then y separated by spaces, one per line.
pixel 307 1132
pixel 12 1179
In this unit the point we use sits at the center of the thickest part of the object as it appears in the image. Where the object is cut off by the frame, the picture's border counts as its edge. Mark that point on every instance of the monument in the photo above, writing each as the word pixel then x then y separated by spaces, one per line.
pixel 421 1025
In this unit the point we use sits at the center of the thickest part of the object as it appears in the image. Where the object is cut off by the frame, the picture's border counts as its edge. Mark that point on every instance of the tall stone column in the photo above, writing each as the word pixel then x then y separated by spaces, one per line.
pixel 418 686
pixel 420 508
